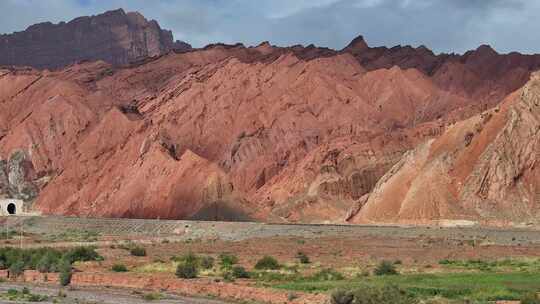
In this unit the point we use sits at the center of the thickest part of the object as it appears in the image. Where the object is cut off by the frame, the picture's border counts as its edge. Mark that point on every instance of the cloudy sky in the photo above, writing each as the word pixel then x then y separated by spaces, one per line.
pixel 442 25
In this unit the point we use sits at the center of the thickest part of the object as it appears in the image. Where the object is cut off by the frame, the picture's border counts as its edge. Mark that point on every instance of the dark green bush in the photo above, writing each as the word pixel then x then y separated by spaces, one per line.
pixel 386 268
pixel 240 272
pixel 302 257
pixel 187 270
pixel 227 260
pixel 12 292
pixel 530 298
pixel 138 251
pixel 49 262
pixel 45 260
pixel 341 296
pixel 64 266
pixel 267 263
pixel 387 294
pixel 206 262
pixel 228 276
pixel 119 268
pixel 82 254
pixel 16 269
pixel 37 298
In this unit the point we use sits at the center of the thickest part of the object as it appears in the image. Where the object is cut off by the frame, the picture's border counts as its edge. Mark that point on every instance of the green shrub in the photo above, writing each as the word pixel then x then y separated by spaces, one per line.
pixel 13 295
pixel 267 263
pixel 206 262
pixel 137 251
pixel 341 296
pixel 12 292
pixel 65 272
pixel 240 272
pixel 227 260
pixel 302 257
pixel 186 271
pixel 228 276
pixel 82 254
pixel 387 294
pixel 530 298
pixel 49 262
pixel 119 268
pixel 36 298
pixel 327 274
pixel 386 268
pixel 16 269
pixel 45 260
pixel 153 296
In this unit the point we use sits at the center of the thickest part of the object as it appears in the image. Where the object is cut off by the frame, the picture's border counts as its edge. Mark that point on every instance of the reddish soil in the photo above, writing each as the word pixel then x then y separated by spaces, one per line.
pixel 418 254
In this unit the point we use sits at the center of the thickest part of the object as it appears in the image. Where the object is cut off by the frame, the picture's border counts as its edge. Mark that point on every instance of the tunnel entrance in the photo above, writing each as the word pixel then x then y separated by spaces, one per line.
pixel 11 208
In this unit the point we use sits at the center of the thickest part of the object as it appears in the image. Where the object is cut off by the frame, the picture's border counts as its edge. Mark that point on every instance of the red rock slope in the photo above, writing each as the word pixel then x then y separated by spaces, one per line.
pixel 229 132
pixel 483 168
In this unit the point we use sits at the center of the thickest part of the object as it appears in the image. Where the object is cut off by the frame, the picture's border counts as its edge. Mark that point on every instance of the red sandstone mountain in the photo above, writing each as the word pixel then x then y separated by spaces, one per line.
pixel 115 37
pixel 300 134
pixel 485 167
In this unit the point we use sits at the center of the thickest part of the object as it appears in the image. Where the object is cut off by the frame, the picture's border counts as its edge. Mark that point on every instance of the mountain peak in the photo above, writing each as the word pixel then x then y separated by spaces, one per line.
pixel 114 36
pixel 357 44
pixel 486 49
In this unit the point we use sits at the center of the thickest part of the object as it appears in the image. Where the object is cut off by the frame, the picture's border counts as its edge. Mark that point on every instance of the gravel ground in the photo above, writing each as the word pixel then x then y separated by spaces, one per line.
pixel 238 231
pixel 105 296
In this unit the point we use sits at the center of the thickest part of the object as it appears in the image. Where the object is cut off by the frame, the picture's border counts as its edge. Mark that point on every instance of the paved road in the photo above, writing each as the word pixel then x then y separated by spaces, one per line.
pixel 105 296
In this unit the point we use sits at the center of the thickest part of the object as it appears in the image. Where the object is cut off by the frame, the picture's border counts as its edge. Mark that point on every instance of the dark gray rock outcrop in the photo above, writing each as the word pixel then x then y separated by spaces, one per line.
pixel 114 36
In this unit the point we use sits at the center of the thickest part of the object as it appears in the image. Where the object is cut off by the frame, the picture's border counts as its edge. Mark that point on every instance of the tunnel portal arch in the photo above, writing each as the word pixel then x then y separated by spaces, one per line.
pixel 10 207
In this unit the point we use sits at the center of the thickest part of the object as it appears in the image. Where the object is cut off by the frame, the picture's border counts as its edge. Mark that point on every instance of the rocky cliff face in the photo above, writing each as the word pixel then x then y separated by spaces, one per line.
pixel 115 37
pixel 298 134
pixel 17 177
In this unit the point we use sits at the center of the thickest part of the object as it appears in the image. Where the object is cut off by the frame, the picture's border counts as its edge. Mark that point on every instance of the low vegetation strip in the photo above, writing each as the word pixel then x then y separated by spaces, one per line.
pixel 479 287
pixel 16 260
pixel 24 295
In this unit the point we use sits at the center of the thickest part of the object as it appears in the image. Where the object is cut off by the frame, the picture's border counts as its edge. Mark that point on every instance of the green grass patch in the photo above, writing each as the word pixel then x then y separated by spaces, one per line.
pixel 506 265
pixel 480 287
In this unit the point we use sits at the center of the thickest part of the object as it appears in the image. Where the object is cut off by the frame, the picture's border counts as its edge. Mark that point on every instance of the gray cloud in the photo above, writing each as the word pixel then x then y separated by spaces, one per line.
pixel 443 25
